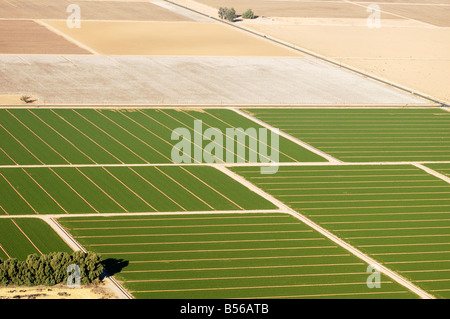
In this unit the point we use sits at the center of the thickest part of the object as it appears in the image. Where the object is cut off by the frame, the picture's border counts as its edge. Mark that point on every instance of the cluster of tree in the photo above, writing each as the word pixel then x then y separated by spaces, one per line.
pixel 248 14
pixel 50 269
pixel 230 14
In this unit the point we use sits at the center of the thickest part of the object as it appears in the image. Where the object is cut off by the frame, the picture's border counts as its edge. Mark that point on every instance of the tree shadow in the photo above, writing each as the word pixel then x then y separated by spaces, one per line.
pixel 113 266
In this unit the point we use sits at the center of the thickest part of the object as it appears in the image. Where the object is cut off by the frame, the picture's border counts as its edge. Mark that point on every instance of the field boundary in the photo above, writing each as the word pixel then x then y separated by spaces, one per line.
pixel 65 36
pixel 433 172
pixel 216 165
pixel 321 58
pixel 386 271
pixel 125 106
pixel 287 136
pixel 213 212
pixel 118 289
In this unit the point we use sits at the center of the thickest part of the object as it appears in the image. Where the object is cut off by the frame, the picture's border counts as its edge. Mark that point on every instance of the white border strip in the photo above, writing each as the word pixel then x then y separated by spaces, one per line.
pixel 287 136
pixel 118 289
pixel 214 212
pixel 293 164
pixel 433 172
pixel 67 37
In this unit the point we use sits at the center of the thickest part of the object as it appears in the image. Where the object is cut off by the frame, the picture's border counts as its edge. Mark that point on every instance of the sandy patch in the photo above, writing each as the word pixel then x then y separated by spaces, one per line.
pixel 57 292
pixel 427 76
pixel 412 56
pixel 360 41
pixel 403 1
pixel 153 38
pixel 352 22
pixel 15 99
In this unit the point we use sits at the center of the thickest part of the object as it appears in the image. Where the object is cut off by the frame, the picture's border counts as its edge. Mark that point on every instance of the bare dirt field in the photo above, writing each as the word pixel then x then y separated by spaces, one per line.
pixel 164 80
pixel 153 38
pixel 309 9
pixel 433 14
pixel 362 42
pixel 90 10
pixel 400 1
pixel 415 57
pixel 411 34
pixel 429 76
pixel 57 292
pixel 28 37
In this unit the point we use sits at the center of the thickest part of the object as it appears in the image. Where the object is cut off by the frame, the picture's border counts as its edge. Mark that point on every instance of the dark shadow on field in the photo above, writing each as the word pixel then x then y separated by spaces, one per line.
pixel 113 266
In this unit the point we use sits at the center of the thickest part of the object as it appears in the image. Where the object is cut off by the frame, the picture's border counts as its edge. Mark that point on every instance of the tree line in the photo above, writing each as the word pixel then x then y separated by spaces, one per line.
pixel 51 269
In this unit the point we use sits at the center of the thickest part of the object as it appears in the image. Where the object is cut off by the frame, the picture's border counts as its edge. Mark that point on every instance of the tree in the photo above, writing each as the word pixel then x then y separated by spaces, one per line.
pixel 227 14
pixel 222 12
pixel 230 15
pixel 248 14
pixel 49 269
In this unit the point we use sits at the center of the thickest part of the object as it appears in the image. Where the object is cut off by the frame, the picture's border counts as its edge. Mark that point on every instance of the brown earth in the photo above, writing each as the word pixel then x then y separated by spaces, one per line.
pixel 362 42
pixel 428 76
pixel 403 1
pixel 28 37
pixel 409 49
pixel 90 10
pixel 165 38
pixel 433 14
pixel 415 57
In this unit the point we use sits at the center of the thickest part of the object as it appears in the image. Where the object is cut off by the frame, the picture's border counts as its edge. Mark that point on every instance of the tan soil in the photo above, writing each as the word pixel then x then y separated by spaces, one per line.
pixel 362 42
pixel 430 77
pixel 407 50
pixel 56 292
pixel 90 10
pixel 415 57
pixel 436 15
pixel 308 9
pixel 14 99
pixel 404 1
pixel 28 37
pixel 166 38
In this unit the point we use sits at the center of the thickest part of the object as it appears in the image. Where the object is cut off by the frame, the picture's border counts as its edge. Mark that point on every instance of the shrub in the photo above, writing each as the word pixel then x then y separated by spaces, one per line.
pixel 248 14
pixel 27 99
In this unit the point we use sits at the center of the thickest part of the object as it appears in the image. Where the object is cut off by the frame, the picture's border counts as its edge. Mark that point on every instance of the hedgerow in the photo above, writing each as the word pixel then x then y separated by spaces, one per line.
pixel 49 270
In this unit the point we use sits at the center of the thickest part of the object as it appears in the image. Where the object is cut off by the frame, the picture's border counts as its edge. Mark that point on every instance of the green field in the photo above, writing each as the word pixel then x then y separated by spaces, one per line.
pixel 368 135
pixel 73 190
pixel 199 233
pixel 22 237
pixel 397 214
pixel 96 136
pixel 227 256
